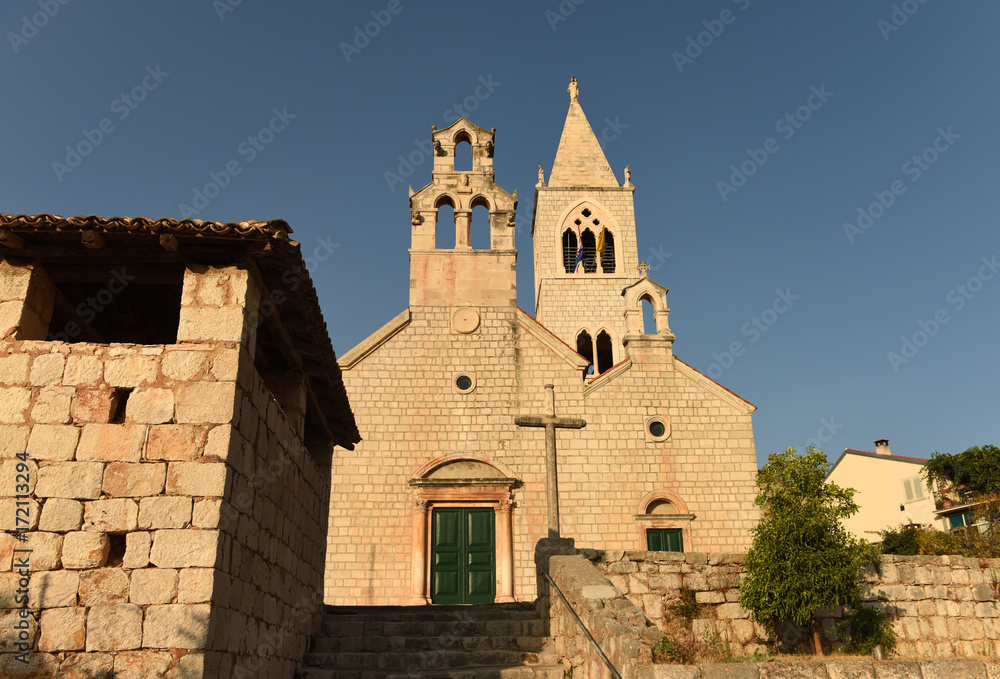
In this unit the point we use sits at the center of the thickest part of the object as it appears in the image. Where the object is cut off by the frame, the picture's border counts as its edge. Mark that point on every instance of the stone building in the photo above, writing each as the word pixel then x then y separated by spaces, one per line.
pixel 169 404
pixel 446 497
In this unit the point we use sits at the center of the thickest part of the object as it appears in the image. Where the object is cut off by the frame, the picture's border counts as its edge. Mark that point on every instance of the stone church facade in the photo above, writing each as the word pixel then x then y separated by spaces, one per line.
pixel 444 499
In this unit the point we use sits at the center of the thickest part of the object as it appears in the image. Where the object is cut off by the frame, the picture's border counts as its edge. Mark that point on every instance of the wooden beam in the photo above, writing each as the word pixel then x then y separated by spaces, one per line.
pixel 169 242
pixel 92 239
pixel 10 240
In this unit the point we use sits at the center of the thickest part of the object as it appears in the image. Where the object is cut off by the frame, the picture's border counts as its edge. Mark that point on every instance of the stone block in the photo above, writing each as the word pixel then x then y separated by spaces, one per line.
pixel 87 666
pixel 225 365
pixel 46 550
pixel 164 512
pixel 53 589
pixel 175 442
pixel 60 515
pixel 110 516
pixel 223 324
pixel 7 545
pixel 137 546
pixel 206 403
pixel 53 442
pixel 63 629
pixel 71 480
pixel 125 479
pixel 184 365
pixel 52 405
pixel 185 548
pixel 47 369
pixel 103 586
pixel 731 611
pixel 13 402
pixel 18 477
pixel 83 369
pixel 15 515
pixel 150 406
pixel 114 628
pixel 207 513
pixel 17 625
pixel 91 405
pixel 14 368
pixel 85 550
pixel 176 626
pixel 952 669
pixel 39 665
pixel 153 586
pixel 196 585
pixel 219 442
pixel 131 371
pixel 199 479
pixel 144 665
pixel 111 442
pixel 13 440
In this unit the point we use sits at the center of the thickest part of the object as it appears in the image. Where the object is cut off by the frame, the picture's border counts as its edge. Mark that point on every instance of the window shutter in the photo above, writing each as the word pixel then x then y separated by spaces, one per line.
pixel 918 487
pixel 908 489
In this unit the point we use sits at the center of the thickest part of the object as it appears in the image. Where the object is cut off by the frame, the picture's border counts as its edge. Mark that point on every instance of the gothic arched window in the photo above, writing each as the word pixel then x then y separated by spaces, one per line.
pixel 589 251
pixel 569 250
pixel 605 353
pixel 608 254
pixel 585 346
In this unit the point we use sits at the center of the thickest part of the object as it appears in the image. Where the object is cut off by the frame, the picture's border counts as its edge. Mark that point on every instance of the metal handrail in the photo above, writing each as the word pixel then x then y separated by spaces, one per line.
pixel 590 637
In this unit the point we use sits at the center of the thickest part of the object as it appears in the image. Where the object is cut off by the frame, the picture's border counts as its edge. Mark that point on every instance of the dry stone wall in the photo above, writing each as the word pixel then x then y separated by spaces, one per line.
pixel 179 536
pixel 945 606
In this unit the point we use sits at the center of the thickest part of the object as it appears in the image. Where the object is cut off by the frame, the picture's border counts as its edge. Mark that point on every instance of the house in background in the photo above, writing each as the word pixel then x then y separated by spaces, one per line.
pixel 890 490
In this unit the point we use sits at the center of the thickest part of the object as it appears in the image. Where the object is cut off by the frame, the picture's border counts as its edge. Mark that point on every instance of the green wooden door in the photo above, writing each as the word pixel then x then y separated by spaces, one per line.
pixel 463 555
pixel 664 540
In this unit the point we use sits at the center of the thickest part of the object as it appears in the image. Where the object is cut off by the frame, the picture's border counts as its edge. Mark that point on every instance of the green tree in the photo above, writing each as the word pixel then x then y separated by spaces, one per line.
pixel 802 559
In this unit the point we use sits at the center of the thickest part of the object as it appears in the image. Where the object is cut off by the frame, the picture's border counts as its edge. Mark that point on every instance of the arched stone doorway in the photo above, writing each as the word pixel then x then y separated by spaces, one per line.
pixel 454 489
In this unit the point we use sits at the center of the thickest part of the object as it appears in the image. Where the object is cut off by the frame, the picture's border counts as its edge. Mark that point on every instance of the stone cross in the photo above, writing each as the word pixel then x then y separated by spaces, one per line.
pixel 550 422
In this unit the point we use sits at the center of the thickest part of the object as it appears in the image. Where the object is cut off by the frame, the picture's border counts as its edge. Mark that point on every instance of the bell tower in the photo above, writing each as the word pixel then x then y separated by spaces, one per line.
pixel 462 275
pixel 586 255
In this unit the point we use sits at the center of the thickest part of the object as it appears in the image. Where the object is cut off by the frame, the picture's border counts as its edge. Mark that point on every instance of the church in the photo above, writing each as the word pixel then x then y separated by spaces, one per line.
pixel 485 428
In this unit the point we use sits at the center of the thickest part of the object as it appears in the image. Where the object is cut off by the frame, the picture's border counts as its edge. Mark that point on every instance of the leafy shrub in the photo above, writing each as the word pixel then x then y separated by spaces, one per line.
pixel 904 540
pixel 673 650
pixel 686 608
pixel 868 627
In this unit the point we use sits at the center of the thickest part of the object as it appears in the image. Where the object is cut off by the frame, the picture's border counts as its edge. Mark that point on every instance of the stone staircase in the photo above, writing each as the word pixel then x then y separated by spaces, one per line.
pixel 482 641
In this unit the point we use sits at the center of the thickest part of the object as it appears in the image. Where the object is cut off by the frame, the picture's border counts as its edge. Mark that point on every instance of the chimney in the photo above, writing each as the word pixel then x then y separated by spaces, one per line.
pixel 882 447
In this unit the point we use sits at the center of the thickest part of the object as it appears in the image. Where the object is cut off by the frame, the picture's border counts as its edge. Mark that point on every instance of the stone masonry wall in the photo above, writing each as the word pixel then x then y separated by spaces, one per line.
pixel 183 541
pixel 946 606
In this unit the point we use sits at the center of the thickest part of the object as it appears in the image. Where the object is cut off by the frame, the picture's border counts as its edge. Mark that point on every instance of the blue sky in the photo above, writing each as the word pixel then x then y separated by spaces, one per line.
pixel 865 250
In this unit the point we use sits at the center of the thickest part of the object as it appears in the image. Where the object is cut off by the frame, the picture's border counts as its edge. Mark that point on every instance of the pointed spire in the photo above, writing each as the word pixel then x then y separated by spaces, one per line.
pixel 580 161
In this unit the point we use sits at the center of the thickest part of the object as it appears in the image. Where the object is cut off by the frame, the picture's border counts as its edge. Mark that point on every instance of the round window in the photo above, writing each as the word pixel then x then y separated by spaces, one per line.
pixel 657 429
pixel 463 382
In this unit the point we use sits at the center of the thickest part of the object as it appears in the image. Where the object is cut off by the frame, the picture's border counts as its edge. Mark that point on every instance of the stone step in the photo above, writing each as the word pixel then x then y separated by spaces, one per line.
pixel 519 672
pixel 417 660
pixel 343 628
pixel 379 644
pixel 424 613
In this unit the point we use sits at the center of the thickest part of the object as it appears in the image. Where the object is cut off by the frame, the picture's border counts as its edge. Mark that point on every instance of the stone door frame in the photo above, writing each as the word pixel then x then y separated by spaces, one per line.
pixel 428 494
